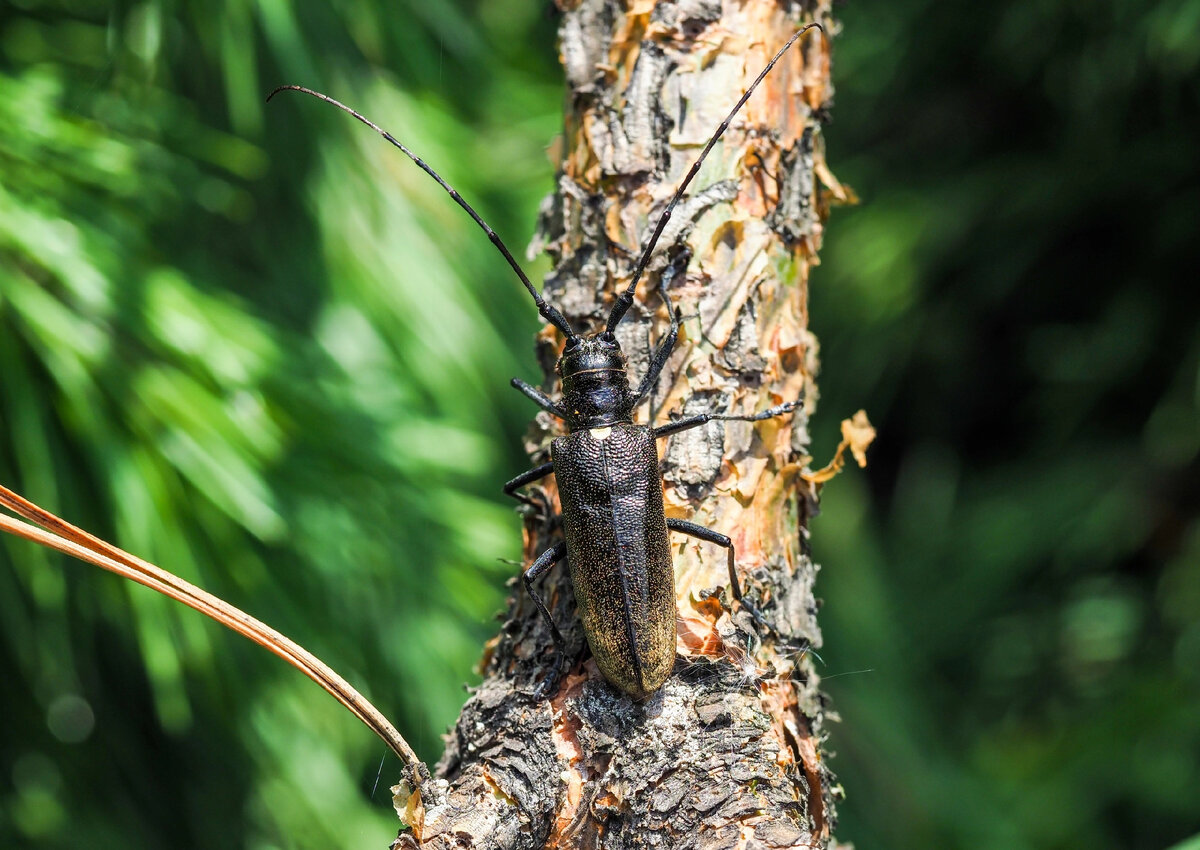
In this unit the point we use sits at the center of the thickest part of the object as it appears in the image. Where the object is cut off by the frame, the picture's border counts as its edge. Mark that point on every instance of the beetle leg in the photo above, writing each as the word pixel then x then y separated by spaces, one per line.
pixel 661 354
pixel 535 474
pixel 665 345
pixel 711 536
pixel 541 506
pixel 540 567
pixel 539 398
pixel 701 418
pixel 682 424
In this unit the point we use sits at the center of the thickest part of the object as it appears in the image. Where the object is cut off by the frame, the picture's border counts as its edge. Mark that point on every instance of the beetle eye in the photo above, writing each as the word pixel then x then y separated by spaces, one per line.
pixel 608 336
pixel 572 342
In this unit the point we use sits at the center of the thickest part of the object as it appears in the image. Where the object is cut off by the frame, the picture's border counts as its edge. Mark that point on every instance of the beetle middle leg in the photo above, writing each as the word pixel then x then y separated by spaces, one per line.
pixel 535 474
pixel 702 418
pixel 541 506
pixel 707 534
pixel 540 567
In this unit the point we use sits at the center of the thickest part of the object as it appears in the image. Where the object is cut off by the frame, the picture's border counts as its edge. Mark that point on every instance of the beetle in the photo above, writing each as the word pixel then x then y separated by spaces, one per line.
pixel 607 468
pixel 614 523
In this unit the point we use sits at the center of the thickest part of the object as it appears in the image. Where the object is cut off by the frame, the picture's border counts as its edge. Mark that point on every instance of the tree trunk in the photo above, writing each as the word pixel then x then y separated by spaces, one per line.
pixel 729 753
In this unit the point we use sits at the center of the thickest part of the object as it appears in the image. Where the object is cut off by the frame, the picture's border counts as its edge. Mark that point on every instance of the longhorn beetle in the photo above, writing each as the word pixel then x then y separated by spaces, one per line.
pixel 607 468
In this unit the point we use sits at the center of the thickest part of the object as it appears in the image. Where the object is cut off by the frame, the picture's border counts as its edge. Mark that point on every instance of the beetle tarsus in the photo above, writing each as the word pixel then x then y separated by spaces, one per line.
pixel 539 568
pixel 735 586
pixel 549 685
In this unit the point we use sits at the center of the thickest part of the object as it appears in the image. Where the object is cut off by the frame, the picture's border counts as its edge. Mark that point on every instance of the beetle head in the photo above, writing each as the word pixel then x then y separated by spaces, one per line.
pixel 595 381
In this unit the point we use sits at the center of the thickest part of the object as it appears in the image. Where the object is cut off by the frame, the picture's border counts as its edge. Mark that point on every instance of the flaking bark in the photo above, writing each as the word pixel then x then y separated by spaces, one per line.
pixel 730 752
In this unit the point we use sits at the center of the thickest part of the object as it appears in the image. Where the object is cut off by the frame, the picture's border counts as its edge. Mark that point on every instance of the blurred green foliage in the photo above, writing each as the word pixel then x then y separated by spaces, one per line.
pixel 258 347
pixel 1016 304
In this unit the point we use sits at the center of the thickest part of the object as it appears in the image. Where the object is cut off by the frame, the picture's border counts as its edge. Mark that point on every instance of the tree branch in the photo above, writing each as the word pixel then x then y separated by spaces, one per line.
pixel 728 753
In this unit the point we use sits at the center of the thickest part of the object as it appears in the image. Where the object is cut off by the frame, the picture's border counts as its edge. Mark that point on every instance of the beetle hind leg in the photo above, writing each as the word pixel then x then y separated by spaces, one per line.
pixel 539 568
pixel 710 536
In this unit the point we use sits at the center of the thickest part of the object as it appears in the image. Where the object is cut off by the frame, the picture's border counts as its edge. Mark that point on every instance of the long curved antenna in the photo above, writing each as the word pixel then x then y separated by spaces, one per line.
pixel 625 299
pixel 549 313
pixel 60 535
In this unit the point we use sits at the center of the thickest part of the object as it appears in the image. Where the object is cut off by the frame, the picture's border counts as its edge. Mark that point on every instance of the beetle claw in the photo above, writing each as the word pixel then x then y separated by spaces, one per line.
pixel 765 628
pixel 753 611
pixel 549 685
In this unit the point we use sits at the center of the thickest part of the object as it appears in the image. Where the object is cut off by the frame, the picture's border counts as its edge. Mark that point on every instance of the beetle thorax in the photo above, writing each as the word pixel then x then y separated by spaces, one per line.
pixel 595 382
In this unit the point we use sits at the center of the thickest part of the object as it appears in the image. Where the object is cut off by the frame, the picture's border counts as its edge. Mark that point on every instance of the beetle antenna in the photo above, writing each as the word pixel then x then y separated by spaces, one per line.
pixel 56 533
pixel 549 313
pixel 625 299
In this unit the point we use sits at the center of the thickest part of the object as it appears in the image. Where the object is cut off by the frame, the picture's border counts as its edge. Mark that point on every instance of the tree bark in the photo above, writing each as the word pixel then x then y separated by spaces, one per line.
pixel 730 752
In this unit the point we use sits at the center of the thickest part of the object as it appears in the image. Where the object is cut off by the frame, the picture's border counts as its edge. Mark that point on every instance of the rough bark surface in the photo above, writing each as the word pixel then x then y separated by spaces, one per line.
pixel 729 753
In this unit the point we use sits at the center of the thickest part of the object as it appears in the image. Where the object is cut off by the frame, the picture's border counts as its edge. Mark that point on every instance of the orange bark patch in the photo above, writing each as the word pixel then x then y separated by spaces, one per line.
pixel 697 635
pixel 564 732
pixel 857 435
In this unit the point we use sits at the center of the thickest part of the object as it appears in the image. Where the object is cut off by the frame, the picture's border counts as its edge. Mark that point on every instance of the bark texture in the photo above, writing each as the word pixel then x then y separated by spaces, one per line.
pixel 729 754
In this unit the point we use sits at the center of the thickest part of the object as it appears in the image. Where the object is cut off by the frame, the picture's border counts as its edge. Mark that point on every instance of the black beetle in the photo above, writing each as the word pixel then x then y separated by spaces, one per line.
pixel 613 520
pixel 607 469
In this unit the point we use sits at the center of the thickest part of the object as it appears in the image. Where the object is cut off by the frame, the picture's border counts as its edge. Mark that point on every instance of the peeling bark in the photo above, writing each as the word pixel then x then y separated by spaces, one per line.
pixel 730 752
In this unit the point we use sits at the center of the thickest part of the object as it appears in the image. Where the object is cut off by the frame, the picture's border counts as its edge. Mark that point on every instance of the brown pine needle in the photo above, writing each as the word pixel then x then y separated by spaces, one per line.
pixel 58 534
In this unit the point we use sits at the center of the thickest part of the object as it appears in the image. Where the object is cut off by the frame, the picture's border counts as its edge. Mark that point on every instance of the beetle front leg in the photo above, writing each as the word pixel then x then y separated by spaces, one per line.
pixel 707 534
pixel 540 567
pixel 539 398
pixel 660 356
pixel 666 345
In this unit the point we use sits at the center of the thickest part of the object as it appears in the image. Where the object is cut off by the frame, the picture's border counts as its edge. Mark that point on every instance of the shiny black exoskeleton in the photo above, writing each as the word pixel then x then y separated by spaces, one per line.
pixel 610 487
pixel 607 470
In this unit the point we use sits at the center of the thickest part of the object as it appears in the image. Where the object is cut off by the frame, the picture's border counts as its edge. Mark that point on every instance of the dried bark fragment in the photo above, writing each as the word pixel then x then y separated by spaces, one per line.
pixel 729 752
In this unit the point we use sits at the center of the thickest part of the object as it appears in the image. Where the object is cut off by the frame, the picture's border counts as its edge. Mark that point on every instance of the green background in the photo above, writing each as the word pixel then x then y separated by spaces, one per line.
pixel 258 347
